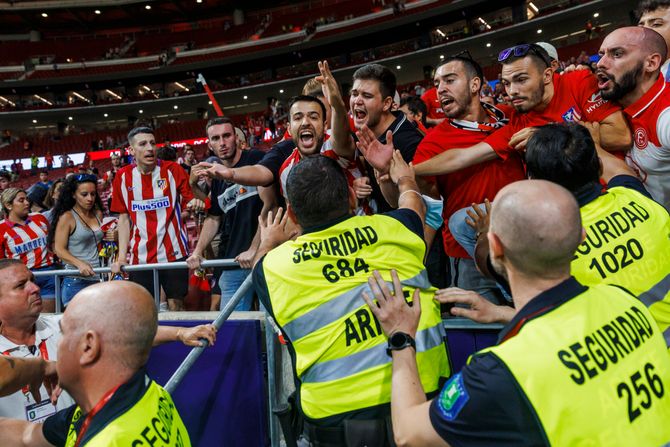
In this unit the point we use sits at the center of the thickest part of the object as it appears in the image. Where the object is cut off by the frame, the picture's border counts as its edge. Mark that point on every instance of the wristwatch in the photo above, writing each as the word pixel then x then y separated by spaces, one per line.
pixel 398 341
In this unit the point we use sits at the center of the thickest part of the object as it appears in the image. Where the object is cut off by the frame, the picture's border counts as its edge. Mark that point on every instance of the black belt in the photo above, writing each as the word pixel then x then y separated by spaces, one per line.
pixel 353 433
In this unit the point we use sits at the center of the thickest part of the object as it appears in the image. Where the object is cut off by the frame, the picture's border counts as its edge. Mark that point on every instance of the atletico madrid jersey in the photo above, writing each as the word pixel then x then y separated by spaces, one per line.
pixel 576 98
pixel 650 154
pixel 474 184
pixel 27 242
pixel 152 201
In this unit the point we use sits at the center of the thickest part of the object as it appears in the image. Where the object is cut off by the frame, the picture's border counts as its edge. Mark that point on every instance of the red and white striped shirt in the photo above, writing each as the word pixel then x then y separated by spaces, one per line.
pixel 152 201
pixel 27 242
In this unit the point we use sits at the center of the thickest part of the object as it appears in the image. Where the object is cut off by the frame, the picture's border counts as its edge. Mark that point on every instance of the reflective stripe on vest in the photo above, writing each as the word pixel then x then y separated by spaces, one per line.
pixel 152 420
pixel 315 284
pixel 628 244
pixel 596 371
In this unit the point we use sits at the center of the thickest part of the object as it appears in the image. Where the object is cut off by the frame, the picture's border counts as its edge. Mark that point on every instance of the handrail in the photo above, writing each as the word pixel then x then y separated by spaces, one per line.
pixel 192 356
pixel 155 268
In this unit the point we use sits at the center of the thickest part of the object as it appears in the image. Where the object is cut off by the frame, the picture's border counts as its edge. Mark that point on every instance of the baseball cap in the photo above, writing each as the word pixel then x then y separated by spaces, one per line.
pixel 550 49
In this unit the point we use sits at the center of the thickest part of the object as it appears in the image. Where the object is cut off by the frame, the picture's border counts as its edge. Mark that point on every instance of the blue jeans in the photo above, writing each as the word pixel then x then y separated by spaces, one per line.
pixel 46 283
pixel 71 286
pixel 230 281
pixel 466 236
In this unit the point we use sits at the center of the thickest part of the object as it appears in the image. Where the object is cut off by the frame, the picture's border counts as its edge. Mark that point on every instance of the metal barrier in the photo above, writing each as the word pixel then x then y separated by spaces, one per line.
pixel 277 355
pixel 134 268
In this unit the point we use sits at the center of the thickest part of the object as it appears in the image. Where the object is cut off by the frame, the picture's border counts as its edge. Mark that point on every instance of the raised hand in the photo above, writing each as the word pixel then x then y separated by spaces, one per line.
pixel 377 154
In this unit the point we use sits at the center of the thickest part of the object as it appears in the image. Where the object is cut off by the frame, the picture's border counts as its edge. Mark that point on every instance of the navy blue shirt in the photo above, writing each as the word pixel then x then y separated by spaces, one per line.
pixel 483 405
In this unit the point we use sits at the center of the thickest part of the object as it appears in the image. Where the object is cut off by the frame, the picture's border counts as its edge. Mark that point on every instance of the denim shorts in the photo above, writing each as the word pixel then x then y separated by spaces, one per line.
pixel 46 284
pixel 72 285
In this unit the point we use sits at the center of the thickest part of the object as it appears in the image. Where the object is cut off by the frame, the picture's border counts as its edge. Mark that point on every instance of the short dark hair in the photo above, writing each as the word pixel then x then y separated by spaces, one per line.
pixel 651 6
pixel 218 120
pixel 536 53
pixel 377 72
pixel 472 68
pixel 167 153
pixel 307 98
pixel 416 106
pixel 44 171
pixel 137 130
pixel 317 191
pixel 6 175
pixel 563 154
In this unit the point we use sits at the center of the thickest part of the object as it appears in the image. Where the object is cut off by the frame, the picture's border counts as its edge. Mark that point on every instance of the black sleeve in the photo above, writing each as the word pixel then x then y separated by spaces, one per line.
pixel 483 406
pixel 255 156
pixel 216 190
pixel 56 426
pixel 407 140
pixel 408 218
pixel 630 182
pixel 276 156
pixel 258 277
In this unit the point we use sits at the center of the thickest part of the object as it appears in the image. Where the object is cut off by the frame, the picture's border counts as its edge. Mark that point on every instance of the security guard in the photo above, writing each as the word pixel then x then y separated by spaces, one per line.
pixel 107 333
pixel 312 286
pixel 575 366
pixel 627 234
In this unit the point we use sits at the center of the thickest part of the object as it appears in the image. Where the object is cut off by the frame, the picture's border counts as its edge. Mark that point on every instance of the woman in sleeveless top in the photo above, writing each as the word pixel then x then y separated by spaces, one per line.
pixel 76 232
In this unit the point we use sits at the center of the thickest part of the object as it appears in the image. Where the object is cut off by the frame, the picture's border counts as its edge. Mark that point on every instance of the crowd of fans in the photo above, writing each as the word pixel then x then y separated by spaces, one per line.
pixel 464 140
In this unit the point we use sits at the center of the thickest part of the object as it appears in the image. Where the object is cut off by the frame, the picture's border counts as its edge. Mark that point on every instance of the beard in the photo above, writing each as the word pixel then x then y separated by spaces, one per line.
pixel 623 86
pixel 462 106
pixel 532 101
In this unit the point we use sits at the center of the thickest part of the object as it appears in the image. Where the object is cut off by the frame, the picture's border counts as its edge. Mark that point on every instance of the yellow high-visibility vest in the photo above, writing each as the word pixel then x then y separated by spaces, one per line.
pixel 153 420
pixel 595 370
pixel 628 244
pixel 315 286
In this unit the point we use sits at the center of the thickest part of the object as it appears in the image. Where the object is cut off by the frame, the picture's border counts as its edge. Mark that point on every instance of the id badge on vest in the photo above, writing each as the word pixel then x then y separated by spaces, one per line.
pixel 38 412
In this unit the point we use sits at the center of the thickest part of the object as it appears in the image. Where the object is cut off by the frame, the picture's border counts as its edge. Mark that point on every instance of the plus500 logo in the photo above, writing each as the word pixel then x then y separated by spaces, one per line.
pixel 150 205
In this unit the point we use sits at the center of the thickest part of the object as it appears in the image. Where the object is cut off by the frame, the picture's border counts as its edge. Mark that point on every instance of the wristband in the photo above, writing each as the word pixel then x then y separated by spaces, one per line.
pixel 408 191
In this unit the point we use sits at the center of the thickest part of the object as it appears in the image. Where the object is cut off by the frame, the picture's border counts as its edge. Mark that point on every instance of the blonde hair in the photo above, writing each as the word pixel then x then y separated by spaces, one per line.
pixel 8 196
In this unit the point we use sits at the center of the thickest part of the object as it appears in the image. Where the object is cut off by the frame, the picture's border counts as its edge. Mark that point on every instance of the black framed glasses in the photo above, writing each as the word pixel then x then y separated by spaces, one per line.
pixel 523 50
pixel 86 178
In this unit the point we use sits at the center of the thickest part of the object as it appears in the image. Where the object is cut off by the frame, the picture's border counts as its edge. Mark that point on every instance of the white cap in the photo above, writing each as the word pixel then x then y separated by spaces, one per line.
pixel 550 49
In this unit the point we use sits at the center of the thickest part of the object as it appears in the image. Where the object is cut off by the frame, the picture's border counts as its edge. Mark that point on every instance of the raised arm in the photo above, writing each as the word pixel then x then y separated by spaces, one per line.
pixel 456 159
pixel 256 175
pixel 343 143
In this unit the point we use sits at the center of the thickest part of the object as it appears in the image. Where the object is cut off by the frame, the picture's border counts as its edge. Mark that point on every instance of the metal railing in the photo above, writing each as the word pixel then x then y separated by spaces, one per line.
pixel 276 390
pixel 155 268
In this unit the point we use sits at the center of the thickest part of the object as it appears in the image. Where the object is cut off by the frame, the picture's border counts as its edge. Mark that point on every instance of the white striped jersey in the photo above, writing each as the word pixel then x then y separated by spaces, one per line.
pixel 27 242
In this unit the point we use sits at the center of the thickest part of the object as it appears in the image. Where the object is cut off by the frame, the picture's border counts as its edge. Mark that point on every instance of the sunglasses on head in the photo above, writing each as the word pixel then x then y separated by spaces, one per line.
pixel 522 51
pixel 86 178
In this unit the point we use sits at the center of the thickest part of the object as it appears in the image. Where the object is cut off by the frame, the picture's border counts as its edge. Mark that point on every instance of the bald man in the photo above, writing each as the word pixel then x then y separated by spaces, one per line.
pixel 107 333
pixel 562 367
pixel 655 14
pixel 27 333
pixel 629 72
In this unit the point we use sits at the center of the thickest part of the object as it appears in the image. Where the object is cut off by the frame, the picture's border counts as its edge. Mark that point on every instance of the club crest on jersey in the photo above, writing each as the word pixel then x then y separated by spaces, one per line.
pixel 161 183
pixel 641 139
pixel 571 115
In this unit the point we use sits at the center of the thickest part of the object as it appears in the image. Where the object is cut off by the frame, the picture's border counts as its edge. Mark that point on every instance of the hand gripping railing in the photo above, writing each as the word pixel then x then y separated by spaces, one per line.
pixel 135 268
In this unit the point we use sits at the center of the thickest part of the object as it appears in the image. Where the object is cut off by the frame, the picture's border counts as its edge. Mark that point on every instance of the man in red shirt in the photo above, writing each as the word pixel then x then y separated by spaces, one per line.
pixel 629 72
pixel 468 121
pixel 149 193
pixel 539 97
pixel 434 106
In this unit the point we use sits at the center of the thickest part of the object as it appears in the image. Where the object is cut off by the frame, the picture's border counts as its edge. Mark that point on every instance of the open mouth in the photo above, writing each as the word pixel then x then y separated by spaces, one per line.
pixel 603 80
pixel 360 114
pixel 446 101
pixel 307 138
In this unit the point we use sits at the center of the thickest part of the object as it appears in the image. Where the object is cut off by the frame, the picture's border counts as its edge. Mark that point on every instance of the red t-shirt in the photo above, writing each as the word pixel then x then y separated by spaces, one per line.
pixel 433 104
pixel 153 203
pixel 27 242
pixel 474 184
pixel 576 97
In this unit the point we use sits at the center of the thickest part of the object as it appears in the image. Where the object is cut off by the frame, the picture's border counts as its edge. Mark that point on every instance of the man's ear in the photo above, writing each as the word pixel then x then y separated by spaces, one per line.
pixel 496 249
pixel 387 104
pixel 90 347
pixel 475 84
pixel 291 214
pixel 548 75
